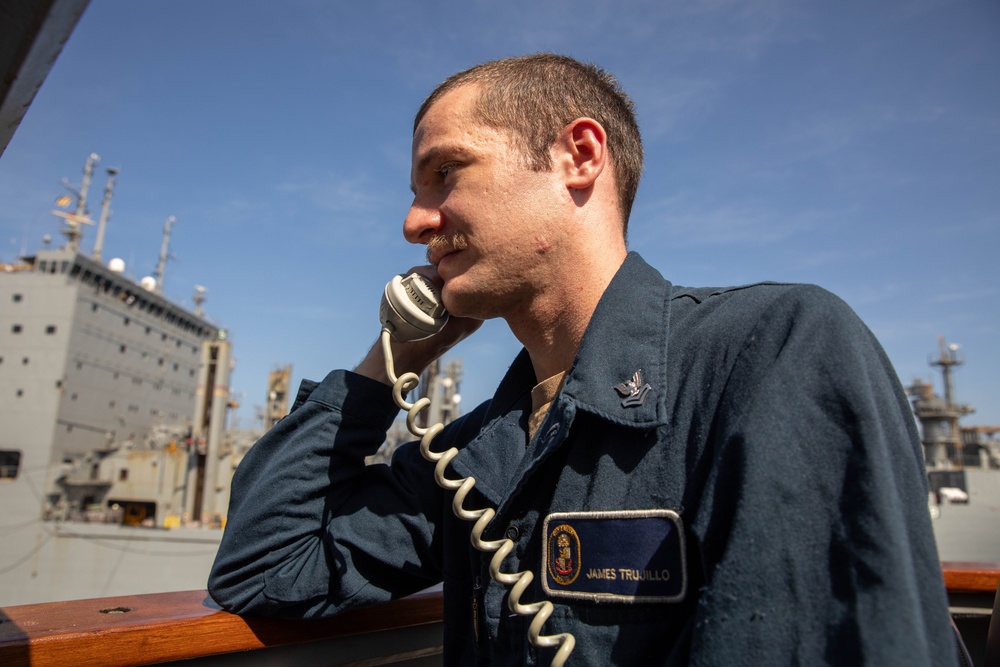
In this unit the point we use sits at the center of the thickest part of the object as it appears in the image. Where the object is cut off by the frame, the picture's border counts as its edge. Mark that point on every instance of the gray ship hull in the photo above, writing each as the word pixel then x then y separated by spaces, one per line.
pixel 72 561
pixel 971 532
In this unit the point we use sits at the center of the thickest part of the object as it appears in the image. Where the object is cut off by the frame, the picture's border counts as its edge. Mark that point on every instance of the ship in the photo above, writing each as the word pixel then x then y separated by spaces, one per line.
pixel 963 467
pixel 114 406
pixel 115 456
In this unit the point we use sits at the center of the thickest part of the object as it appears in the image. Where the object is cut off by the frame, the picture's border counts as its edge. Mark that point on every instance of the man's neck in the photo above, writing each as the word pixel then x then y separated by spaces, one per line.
pixel 552 327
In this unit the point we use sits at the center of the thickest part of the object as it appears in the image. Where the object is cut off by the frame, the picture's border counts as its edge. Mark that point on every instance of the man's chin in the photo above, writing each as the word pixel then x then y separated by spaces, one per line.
pixel 458 301
pixel 452 301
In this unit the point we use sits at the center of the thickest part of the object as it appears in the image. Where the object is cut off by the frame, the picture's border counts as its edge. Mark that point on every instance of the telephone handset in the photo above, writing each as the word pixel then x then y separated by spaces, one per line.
pixel 411 305
pixel 411 310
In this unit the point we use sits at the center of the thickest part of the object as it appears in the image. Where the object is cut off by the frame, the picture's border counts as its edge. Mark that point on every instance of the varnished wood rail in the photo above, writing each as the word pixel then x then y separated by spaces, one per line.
pixel 168 627
pixel 962 577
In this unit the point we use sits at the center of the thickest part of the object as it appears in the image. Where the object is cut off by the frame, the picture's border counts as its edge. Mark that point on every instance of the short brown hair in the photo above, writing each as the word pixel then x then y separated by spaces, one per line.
pixel 536 96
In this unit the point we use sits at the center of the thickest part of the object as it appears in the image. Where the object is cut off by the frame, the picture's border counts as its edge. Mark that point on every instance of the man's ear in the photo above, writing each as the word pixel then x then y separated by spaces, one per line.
pixel 581 152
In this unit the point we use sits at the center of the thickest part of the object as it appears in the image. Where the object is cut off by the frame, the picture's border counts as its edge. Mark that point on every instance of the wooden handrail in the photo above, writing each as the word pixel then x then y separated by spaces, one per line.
pixel 969 577
pixel 161 627
pixel 148 629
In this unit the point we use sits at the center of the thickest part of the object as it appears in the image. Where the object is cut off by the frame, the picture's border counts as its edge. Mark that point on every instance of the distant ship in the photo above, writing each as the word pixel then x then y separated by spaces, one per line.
pixel 115 459
pixel 963 468
pixel 113 413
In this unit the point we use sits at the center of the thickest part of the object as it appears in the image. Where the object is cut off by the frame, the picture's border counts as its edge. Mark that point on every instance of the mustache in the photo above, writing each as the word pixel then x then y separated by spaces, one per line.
pixel 444 243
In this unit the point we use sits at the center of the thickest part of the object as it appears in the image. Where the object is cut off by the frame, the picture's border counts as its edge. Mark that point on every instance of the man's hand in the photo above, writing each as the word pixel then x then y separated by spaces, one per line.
pixel 416 356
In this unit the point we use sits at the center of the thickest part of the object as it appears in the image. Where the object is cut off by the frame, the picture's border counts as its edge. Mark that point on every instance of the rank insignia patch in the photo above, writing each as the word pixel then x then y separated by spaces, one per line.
pixel 630 556
pixel 633 391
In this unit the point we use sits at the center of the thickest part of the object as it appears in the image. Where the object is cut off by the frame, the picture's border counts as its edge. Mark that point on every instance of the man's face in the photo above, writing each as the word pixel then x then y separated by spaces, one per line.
pixel 490 222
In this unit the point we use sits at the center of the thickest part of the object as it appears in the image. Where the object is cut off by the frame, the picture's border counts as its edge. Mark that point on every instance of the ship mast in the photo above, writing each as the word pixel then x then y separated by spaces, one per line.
pixel 947 358
pixel 941 434
pixel 162 265
pixel 72 231
pixel 102 223
pixel 199 299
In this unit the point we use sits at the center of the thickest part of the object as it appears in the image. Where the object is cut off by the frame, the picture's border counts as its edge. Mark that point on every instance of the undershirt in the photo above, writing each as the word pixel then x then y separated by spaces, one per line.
pixel 541 398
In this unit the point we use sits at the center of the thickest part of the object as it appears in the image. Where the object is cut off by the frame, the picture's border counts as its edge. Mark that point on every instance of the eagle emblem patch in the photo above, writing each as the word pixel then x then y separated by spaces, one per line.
pixel 633 391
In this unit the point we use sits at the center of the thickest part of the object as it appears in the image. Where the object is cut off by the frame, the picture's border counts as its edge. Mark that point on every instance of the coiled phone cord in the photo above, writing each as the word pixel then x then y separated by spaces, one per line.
pixel 518 581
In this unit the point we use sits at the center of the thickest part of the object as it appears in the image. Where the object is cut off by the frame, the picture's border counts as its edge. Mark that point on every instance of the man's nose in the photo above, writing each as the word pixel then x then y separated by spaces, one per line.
pixel 421 223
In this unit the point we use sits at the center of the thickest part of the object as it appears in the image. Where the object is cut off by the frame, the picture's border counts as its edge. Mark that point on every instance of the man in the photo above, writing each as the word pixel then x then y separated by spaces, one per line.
pixel 693 476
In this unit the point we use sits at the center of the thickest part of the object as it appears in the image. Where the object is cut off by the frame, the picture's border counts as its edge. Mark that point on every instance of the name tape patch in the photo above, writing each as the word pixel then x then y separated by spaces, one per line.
pixel 632 556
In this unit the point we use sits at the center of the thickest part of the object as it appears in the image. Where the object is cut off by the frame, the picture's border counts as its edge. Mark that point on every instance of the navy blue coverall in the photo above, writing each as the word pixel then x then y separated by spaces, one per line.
pixel 727 477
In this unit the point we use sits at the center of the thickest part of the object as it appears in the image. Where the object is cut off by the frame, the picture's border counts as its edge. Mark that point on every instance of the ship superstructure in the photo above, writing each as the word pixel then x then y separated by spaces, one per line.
pixel 947 444
pixel 963 467
pixel 90 357
pixel 90 360
pixel 114 402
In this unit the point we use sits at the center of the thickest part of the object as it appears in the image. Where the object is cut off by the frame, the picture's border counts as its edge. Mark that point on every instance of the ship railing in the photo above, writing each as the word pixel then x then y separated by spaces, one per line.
pixel 168 628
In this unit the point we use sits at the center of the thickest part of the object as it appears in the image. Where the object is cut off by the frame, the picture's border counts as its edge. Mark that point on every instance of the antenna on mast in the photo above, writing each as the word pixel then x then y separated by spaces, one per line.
pixel 102 223
pixel 199 298
pixel 163 253
pixel 72 230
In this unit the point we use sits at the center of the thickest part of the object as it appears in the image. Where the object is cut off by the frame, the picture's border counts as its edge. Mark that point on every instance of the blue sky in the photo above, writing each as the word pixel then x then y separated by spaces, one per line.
pixel 854 145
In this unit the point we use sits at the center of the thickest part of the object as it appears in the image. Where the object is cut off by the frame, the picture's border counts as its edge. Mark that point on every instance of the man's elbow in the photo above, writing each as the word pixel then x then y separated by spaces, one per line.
pixel 234 593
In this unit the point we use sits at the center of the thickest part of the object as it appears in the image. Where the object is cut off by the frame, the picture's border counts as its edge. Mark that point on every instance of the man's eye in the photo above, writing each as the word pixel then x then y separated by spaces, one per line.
pixel 446 169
